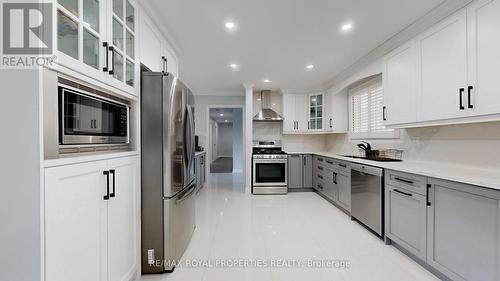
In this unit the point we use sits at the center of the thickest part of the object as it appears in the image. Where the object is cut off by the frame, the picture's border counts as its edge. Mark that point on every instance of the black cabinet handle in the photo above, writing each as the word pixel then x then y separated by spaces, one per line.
pixel 383 113
pixel 331 123
pixel 106 173
pixel 403 180
pixel 320 186
pixel 335 178
pixel 329 162
pixel 165 68
pixel 112 50
pixel 460 94
pixel 428 202
pixel 320 159
pixel 469 90
pixel 404 193
pixel 304 161
pixel 106 67
pixel 320 168
pixel 343 165
pixel 112 194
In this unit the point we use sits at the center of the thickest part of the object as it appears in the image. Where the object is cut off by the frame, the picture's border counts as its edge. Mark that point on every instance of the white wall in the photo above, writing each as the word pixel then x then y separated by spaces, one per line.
pixel 238 140
pixel 225 140
pixel 20 242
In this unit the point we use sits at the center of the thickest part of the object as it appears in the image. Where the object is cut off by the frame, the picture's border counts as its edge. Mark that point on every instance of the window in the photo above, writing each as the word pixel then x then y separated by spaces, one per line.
pixel 366 111
pixel 315 112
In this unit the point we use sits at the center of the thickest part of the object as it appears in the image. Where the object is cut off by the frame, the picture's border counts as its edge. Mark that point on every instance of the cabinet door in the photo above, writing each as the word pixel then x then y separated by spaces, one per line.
pixel 406 214
pixel 336 115
pixel 301 112
pixel 484 45
pixel 202 171
pixel 307 171
pixel 343 183
pixel 81 31
pixel 316 112
pixel 400 99
pixel 289 122
pixel 295 176
pixel 76 222
pixel 122 219
pixel 331 189
pixel 151 45
pixel 442 69
pixel 464 231
pixel 122 17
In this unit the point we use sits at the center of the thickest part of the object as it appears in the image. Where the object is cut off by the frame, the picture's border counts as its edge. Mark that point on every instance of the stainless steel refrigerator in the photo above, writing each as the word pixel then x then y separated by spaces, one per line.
pixel 167 167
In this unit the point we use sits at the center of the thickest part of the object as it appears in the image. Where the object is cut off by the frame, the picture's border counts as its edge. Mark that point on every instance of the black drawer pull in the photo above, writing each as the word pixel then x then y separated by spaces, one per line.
pixel 106 173
pixel 112 194
pixel 343 165
pixel 403 180
pixel 320 176
pixel 320 168
pixel 320 186
pixel 427 197
pixel 320 159
pixel 401 192
pixel 329 162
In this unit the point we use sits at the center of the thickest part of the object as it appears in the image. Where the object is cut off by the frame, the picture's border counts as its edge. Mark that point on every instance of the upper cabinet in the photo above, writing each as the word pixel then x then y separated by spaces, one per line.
pixel 98 39
pixel 449 73
pixel 399 82
pixel 155 51
pixel 483 23
pixel 442 69
pixel 314 113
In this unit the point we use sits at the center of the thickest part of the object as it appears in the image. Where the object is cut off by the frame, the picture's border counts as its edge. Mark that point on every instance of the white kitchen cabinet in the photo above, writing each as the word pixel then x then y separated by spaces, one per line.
pixel 316 112
pixel 76 220
pixel 93 213
pixel 483 19
pixel 442 69
pixel 295 113
pixel 336 112
pixel 122 217
pixel 399 82
pixel 98 39
pixel 155 52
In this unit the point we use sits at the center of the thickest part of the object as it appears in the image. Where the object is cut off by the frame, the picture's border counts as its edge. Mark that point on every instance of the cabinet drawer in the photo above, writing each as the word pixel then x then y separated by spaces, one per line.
pixel 411 182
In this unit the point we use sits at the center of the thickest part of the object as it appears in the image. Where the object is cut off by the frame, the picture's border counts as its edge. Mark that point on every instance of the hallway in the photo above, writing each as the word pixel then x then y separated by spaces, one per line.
pixel 233 225
pixel 222 165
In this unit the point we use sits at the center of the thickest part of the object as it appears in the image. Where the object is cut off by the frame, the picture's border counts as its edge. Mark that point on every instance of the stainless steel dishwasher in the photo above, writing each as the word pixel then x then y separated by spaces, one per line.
pixel 367 196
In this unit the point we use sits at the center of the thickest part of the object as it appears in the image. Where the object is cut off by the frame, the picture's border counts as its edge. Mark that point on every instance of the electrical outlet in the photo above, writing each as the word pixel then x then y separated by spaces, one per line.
pixel 151 256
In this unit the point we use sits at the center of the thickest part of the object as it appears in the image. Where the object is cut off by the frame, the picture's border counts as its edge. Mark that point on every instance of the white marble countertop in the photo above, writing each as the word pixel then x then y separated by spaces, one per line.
pixel 489 178
pixel 199 153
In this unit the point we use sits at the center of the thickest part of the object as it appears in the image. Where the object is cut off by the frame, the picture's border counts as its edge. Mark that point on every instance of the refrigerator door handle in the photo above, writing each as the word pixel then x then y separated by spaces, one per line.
pixel 191 119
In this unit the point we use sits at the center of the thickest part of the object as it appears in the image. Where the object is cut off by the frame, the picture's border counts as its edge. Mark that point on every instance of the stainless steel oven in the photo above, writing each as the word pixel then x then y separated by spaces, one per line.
pixel 86 118
pixel 270 174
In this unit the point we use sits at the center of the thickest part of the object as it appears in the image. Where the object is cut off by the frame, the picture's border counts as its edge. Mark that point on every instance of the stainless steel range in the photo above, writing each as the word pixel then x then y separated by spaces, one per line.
pixel 269 168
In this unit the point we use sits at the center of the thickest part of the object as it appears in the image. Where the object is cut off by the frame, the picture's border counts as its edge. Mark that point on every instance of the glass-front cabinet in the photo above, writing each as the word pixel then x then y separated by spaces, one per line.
pixel 316 109
pixel 97 38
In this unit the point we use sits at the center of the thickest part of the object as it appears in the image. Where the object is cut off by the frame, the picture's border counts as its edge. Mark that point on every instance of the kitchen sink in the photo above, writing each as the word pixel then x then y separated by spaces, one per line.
pixel 378 159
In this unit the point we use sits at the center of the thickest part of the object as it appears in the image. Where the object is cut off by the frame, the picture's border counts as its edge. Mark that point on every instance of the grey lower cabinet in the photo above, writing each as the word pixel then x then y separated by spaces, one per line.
pixel 332 179
pixel 200 171
pixel 343 184
pixel 463 230
pixel 406 219
pixel 300 171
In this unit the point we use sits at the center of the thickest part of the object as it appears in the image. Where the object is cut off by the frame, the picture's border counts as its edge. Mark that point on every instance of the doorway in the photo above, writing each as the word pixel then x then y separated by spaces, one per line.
pixel 225 140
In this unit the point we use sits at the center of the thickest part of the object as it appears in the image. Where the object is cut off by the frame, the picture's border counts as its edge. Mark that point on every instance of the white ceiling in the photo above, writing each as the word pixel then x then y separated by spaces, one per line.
pixel 277 39
pixel 227 115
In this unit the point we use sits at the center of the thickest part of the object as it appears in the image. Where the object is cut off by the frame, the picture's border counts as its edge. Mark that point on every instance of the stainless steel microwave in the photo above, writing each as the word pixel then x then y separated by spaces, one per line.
pixel 88 119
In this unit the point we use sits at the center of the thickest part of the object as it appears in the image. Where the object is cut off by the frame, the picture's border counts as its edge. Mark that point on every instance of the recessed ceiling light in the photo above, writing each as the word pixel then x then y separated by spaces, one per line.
pixel 258 99
pixel 346 27
pixel 225 121
pixel 234 67
pixel 221 114
pixel 266 81
pixel 310 66
pixel 230 26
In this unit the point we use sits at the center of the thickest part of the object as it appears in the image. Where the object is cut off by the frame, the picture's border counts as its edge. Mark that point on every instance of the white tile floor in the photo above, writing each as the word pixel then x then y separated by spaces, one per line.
pixel 301 226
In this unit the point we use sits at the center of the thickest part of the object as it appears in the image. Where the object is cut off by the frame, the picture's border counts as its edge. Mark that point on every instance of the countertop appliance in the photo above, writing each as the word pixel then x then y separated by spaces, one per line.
pixel 269 168
pixel 367 197
pixel 168 165
pixel 87 118
pixel 266 113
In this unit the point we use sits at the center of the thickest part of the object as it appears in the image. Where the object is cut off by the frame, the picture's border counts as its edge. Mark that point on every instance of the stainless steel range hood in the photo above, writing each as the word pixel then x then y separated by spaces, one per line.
pixel 266 113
